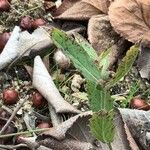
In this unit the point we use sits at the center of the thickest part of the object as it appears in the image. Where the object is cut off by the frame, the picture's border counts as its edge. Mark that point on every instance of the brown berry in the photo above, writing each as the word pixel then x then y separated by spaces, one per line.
pixel 20 139
pixel 26 23
pixel 140 104
pixel 4 5
pixel 44 125
pixel 3 40
pixel 10 96
pixel 38 100
pixel 38 22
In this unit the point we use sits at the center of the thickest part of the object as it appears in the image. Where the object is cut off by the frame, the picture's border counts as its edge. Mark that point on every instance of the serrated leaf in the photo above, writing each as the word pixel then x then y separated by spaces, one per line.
pixel 102 127
pixel 99 98
pixel 104 63
pixel 125 65
pixel 77 55
pixel 87 47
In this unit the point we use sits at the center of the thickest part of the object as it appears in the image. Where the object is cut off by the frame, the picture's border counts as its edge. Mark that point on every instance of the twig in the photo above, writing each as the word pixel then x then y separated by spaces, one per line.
pixel 12 116
pixel 12 147
pixel 55 118
pixel 25 132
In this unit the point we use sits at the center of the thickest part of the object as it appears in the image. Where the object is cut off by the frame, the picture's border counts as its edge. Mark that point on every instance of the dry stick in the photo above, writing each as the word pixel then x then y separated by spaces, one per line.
pixel 12 147
pixel 12 116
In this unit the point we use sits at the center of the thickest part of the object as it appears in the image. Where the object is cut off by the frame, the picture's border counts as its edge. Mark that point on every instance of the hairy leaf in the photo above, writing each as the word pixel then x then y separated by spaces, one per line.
pixel 104 63
pixel 102 127
pixel 87 47
pixel 77 54
pixel 99 98
pixel 131 18
pixel 125 65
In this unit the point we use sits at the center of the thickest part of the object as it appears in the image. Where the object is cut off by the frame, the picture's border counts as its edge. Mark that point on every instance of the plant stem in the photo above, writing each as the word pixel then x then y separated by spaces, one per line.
pixel 109 145
pixel 25 132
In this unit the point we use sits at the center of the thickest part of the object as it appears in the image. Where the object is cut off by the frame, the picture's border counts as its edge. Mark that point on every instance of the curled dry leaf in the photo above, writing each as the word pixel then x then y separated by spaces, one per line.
pixel 23 44
pixel 75 133
pixel 102 36
pixel 10 52
pixel 144 62
pixel 138 122
pixel 43 82
pixel 102 5
pixel 81 9
pixel 131 18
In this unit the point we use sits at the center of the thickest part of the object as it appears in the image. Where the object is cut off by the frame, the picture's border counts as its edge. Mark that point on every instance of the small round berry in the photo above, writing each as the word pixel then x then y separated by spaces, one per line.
pixel 26 23
pixel 140 104
pixel 38 100
pixel 44 125
pixel 3 39
pixel 4 5
pixel 10 96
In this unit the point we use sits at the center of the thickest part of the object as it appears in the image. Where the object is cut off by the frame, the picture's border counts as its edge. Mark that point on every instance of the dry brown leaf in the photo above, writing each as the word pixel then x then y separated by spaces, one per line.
pixel 43 82
pixel 131 18
pixel 76 130
pixel 102 36
pixel 66 4
pixel 138 122
pixel 102 5
pixel 144 62
pixel 81 9
pixel 49 5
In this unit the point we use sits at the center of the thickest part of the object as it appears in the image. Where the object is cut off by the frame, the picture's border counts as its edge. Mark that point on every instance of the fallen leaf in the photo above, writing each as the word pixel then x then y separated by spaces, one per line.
pixel 139 125
pixel 81 9
pixel 43 82
pixel 102 37
pixel 102 5
pixel 66 4
pixel 131 19
pixel 23 44
pixel 10 52
pixel 77 131
pixel 144 62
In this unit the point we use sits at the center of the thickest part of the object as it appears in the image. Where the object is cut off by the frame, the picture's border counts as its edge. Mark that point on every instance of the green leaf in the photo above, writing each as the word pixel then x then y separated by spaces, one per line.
pixel 102 126
pixel 86 46
pixel 99 98
pixel 104 63
pixel 133 89
pixel 77 54
pixel 125 65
